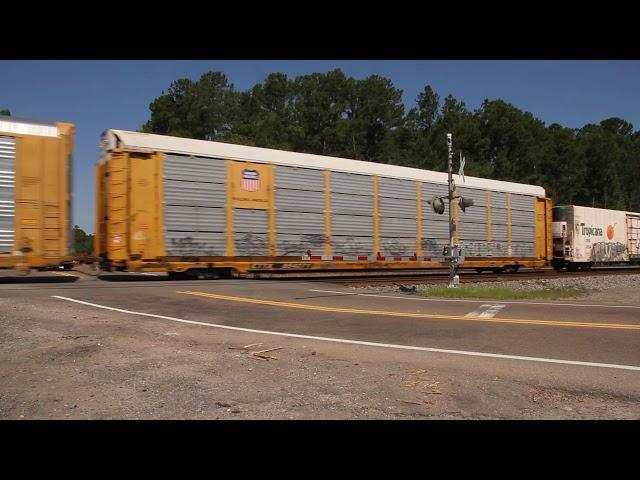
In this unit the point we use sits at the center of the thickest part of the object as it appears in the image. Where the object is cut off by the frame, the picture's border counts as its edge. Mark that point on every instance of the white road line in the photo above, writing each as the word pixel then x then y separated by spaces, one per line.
pixel 486 311
pixel 359 342
pixel 473 301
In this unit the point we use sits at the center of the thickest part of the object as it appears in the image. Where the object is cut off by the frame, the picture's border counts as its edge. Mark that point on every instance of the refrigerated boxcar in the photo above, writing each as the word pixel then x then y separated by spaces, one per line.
pixel 35 193
pixel 177 205
pixel 585 236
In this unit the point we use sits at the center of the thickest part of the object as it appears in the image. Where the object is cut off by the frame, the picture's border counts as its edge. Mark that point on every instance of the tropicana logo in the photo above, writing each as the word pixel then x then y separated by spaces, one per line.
pixel 592 231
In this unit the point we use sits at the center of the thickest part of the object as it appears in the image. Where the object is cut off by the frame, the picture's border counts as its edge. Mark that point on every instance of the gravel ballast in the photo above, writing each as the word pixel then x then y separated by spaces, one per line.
pixel 617 288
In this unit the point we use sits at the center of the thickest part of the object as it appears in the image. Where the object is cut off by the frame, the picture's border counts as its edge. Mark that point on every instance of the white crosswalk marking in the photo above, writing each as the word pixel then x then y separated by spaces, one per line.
pixel 486 311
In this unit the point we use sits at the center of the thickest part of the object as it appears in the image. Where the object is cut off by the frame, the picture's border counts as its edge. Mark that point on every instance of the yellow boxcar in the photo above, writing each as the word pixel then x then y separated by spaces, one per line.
pixel 35 194
pixel 177 205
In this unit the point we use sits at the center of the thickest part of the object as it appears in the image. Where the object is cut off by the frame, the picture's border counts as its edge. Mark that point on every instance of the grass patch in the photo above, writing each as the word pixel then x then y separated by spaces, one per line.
pixel 500 293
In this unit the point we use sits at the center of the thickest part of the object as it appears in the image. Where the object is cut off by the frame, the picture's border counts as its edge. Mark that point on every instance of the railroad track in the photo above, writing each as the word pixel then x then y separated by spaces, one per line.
pixel 473 277
pixel 440 276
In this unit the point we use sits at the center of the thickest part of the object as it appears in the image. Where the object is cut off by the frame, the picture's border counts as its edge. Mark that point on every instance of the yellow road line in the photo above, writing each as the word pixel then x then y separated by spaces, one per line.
pixel 619 326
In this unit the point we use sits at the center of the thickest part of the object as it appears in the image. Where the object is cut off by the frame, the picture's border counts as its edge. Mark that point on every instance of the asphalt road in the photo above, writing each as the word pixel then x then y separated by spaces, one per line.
pixel 554 330
pixel 594 344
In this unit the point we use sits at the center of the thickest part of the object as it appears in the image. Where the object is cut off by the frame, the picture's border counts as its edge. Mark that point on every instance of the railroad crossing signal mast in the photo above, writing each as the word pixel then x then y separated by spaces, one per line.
pixel 453 253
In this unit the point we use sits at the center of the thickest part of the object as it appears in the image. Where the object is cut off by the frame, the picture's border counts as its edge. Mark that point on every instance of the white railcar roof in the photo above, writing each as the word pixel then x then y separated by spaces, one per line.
pixel 23 126
pixel 581 207
pixel 186 146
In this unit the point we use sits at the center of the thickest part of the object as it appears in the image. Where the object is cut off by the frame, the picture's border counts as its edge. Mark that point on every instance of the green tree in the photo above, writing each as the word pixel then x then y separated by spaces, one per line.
pixel 5 112
pixel 425 113
pixel 205 109
pixel 513 141
pixel 563 165
pixel 374 111
pixel 265 114
pixel 319 103
pixel 82 242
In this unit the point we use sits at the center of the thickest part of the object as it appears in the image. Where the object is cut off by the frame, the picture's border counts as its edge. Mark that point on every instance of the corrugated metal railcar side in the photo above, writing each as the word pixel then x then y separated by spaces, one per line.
pixel 35 193
pixel 178 204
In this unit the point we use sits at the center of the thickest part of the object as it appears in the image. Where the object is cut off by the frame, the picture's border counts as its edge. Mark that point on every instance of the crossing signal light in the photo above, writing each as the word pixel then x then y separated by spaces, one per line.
pixel 465 202
pixel 438 205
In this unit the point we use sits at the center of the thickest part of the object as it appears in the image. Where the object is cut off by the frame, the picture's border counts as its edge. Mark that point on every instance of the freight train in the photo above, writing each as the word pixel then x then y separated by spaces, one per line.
pixel 35 194
pixel 208 209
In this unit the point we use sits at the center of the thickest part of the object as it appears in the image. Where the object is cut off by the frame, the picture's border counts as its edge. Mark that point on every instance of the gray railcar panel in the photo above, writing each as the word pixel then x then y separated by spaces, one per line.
pixel 288 200
pixel 194 199
pixel 435 228
pixel 250 220
pixel 351 183
pixel 395 188
pixel 184 219
pixel 194 193
pixel 347 204
pixel 499 200
pixel 474 231
pixel 522 218
pixel 298 178
pixel 195 169
pixel 473 215
pixel 396 207
pixel 522 202
pixel 398 227
pixel 499 216
pixel 352 225
pixel 499 232
pixel 522 234
pixel 7 193
pixel 299 223
pixel 430 189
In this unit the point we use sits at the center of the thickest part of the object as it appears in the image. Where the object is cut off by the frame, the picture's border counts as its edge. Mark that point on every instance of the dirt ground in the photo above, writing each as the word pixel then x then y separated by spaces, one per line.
pixel 68 361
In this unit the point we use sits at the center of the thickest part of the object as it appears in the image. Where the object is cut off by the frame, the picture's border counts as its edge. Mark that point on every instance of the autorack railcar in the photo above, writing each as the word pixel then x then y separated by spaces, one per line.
pixel 182 205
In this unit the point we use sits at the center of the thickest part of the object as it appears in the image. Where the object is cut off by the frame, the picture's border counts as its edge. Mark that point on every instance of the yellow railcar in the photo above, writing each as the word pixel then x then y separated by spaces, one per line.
pixel 179 205
pixel 35 193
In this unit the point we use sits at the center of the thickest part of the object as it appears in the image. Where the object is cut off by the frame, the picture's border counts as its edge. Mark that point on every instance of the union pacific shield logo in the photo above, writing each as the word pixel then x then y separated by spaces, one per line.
pixel 250 180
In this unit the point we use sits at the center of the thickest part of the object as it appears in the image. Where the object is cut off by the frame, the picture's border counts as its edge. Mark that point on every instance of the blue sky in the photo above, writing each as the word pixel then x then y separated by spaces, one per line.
pixel 96 95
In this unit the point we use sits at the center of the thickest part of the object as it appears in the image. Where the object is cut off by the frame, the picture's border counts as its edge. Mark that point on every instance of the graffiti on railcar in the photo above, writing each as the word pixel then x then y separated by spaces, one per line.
pixel 313 242
pixel 609 252
pixel 252 244
pixel 343 245
pixel 397 248
pixel 188 246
